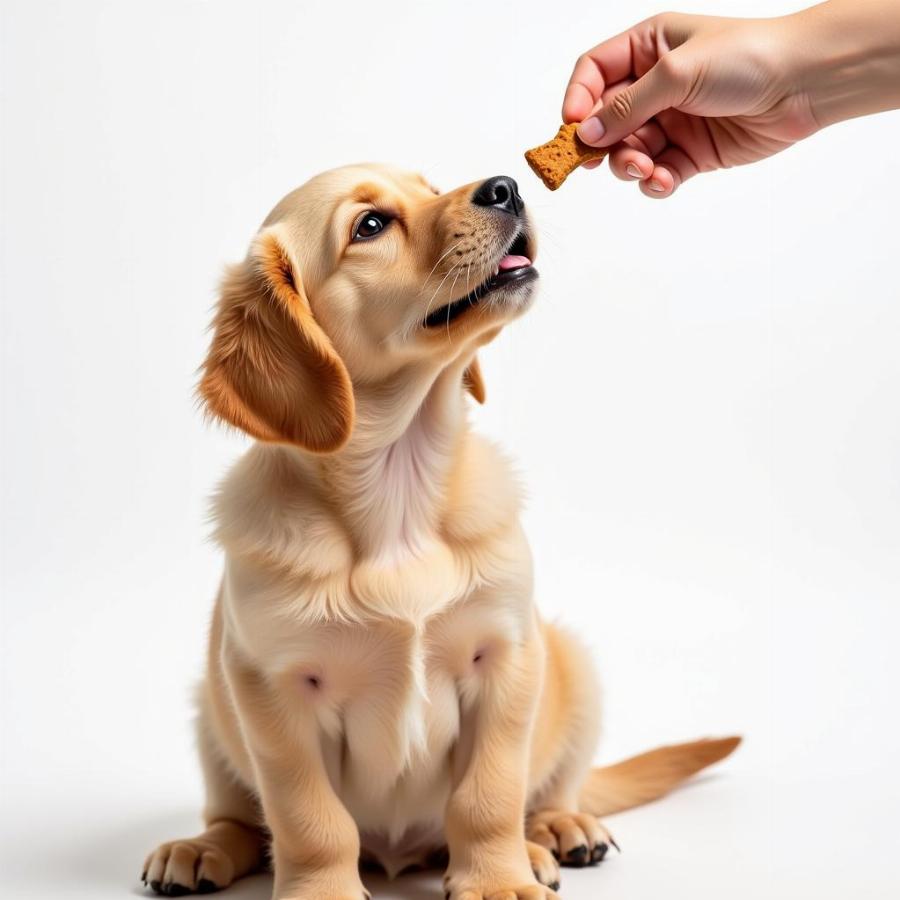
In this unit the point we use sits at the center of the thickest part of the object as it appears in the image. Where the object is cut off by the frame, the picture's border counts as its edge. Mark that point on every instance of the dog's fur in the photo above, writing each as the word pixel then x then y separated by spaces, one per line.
pixel 379 683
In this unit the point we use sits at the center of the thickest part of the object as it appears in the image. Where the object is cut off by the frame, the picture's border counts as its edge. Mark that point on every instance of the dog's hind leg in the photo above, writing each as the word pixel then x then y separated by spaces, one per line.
pixel 233 844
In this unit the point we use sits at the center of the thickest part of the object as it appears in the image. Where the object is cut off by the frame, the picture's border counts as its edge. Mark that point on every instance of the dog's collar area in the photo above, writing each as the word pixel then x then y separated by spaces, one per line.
pixel 513 267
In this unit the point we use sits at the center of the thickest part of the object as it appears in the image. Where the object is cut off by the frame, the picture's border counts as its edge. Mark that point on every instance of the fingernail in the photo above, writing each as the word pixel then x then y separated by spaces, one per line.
pixel 634 171
pixel 591 130
pixel 657 186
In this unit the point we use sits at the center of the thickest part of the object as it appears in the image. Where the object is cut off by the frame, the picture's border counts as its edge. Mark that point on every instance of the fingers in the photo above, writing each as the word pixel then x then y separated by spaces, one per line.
pixel 660 171
pixel 644 153
pixel 671 169
pixel 579 99
pixel 650 139
pixel 629 164
pixel 643 87
pixel 632 160
pixel 664 86
pixel 627 55
pixel 604 64
pixel 660 184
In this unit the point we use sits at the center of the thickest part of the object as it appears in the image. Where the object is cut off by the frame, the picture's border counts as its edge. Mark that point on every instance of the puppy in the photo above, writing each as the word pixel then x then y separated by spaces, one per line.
pixel 376 664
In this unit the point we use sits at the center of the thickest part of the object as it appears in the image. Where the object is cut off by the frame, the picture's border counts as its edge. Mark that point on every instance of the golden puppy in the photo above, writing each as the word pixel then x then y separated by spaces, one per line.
pixel 376 662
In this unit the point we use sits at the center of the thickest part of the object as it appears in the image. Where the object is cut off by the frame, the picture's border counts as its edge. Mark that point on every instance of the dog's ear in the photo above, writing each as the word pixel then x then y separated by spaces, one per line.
pixel 271 371
pixel 474 380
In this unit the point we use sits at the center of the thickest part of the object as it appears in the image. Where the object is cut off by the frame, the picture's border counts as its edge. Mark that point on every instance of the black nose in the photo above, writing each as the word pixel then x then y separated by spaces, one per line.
pixel 499 192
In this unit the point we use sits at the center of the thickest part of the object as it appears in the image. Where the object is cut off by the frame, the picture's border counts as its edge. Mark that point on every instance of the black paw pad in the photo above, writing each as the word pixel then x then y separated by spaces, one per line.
pixel 577 857
pixel 598 853
pixel 205 886
pixel 554 886
pixel 156 887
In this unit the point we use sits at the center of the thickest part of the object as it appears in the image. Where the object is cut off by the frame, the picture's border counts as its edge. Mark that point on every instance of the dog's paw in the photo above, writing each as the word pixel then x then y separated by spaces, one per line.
pixel 191 866
pixel 461 887
pixel 544 865
pixel 526 892
pixel 575 839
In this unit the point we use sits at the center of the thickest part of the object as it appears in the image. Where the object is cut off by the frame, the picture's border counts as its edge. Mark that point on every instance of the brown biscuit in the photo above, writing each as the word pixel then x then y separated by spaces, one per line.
pixel 554 161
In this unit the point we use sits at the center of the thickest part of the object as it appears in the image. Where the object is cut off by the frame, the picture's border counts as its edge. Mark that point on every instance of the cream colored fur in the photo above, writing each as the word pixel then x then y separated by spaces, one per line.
pixel 376 663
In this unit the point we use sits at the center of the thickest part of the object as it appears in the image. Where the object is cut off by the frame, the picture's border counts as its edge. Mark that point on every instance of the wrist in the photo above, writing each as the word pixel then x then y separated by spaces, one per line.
pixel 846 58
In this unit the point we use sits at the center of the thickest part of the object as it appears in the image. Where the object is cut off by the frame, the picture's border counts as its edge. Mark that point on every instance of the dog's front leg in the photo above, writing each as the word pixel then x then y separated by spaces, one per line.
pixel 486 812
pixel 315 842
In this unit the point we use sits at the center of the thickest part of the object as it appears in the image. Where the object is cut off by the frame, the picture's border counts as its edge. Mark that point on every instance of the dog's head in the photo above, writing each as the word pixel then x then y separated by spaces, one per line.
pixel 361 278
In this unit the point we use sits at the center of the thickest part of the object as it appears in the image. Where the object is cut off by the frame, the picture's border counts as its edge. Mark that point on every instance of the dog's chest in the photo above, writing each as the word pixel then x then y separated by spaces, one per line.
pixel 389 696
pixel 399 718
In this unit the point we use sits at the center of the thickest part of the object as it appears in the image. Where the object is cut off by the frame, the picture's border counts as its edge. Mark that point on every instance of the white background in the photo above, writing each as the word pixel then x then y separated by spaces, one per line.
pixel 703 403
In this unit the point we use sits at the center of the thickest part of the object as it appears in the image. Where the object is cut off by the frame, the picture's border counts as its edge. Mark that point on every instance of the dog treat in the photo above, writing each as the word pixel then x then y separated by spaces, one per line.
pixel 554 161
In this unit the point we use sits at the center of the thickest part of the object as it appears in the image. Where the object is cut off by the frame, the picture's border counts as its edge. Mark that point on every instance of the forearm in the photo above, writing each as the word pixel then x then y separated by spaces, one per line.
pixel 847 57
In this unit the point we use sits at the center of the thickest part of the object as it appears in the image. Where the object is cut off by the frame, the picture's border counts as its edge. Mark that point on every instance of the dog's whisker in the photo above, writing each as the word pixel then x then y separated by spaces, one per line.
pixel 451 294
pixel 439 262
pixel 468 291
pixel 405 331
pixel 431 298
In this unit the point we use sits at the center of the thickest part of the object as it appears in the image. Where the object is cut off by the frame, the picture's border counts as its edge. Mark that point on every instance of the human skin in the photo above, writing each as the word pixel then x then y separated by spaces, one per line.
pixel 677 95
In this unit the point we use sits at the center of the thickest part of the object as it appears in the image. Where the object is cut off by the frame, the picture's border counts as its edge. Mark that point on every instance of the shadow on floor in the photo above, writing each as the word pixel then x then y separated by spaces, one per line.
pixel 113 860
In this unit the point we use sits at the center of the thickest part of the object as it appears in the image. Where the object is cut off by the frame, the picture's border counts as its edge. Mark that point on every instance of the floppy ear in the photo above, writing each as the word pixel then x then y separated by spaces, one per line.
pixel 473 380
pixel 271 371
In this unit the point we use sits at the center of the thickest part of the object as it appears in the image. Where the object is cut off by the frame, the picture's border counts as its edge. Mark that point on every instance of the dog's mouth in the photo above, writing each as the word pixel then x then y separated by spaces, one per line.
pixel 514 268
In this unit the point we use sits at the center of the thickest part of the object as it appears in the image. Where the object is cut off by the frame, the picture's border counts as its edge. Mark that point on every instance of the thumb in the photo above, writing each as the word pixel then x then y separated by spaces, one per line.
pixel 623 113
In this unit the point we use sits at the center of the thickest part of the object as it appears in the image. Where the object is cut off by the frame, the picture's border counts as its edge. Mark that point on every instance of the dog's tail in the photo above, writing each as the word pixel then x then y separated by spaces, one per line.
pixel 649 776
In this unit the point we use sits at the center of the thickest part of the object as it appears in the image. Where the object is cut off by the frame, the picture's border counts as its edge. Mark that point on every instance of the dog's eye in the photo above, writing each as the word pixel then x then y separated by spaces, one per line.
pixel 370 225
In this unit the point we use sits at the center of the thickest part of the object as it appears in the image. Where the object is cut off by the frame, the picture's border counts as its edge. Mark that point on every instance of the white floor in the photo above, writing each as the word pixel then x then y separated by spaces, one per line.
pixel 724 837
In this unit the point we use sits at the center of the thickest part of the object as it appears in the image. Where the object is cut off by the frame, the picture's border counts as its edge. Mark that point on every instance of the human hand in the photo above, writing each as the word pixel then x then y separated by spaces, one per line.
pixel 678 94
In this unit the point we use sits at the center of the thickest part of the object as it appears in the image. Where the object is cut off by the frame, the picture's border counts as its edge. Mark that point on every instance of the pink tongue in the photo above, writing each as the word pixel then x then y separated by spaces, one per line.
pixel 514 262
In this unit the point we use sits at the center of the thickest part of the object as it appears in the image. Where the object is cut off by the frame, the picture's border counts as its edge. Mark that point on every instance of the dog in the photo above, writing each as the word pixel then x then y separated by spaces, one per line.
pixel 380 687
